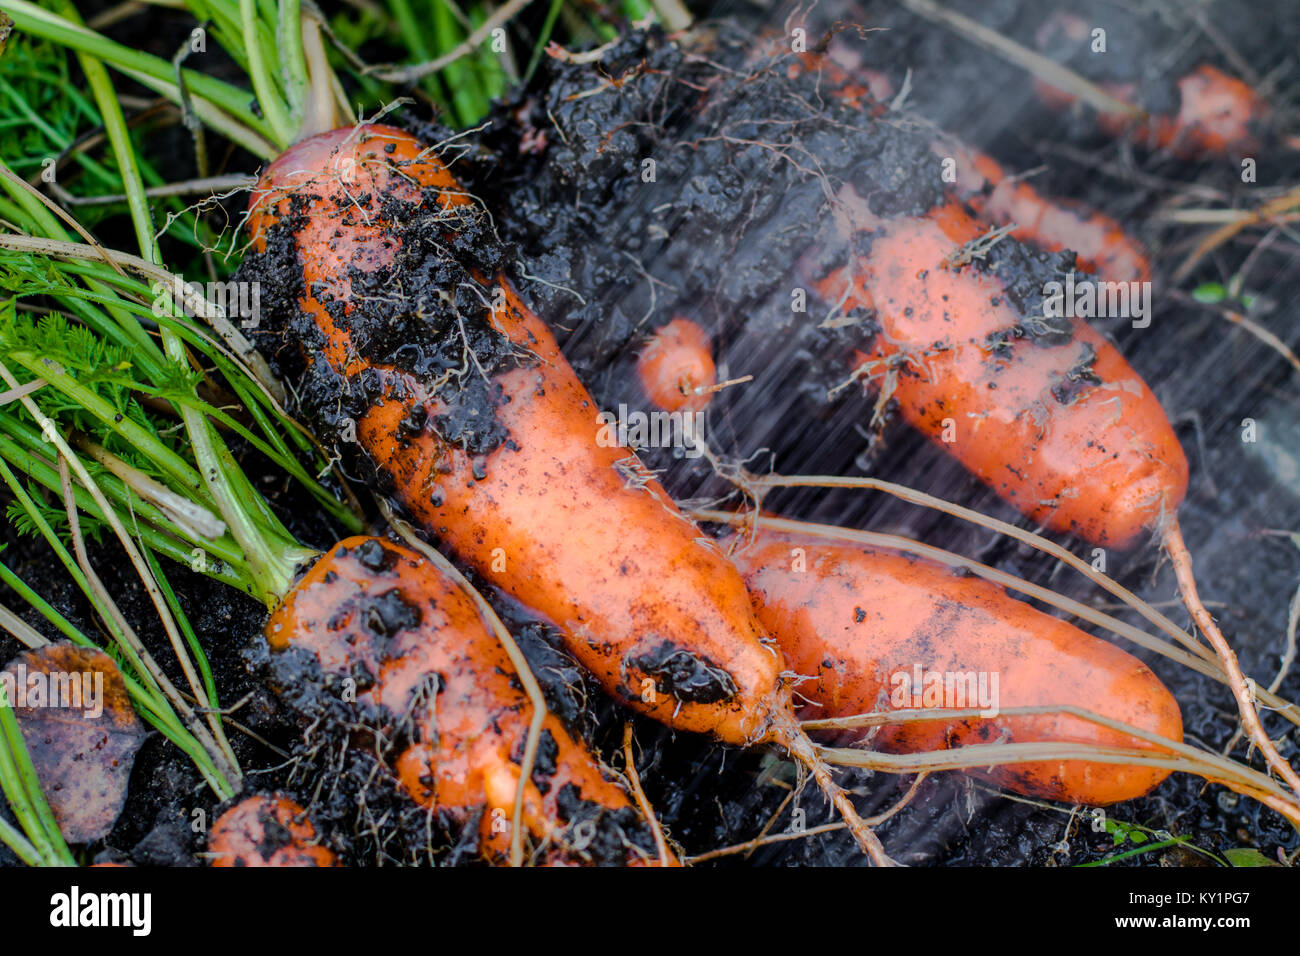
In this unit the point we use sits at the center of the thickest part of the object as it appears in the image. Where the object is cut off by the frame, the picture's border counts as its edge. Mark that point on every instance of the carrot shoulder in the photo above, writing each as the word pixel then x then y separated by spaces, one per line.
pixel 266 830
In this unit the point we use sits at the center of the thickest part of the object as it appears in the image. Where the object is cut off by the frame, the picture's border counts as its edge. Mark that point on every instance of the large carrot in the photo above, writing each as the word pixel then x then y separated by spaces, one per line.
pixel 376 608
pixel 1045 411
pixel 878 630
pixel 517 484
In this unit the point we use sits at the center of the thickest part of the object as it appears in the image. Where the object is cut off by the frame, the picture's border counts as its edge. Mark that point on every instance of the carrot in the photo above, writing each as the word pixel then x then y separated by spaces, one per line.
pixel 1046 413
pixel 266 830
pixel 373 607
pixel 676 368
pixel 517 484
pixel 878 630
pixel 1099 242
pixel 1217 114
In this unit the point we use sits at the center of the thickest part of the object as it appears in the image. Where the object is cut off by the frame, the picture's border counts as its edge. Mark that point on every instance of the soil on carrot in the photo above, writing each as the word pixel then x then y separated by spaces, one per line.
pixel 607 248
pixel 433 325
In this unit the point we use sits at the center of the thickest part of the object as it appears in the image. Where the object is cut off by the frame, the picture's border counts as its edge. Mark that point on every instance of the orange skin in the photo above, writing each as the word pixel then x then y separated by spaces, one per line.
pixel 1105 466
pixel 677 361
pixel 589 541
pixel 860 88
pixel 1217 115
pixel 469 735
pixel 1099 242
pixel 266 831
pixel 857 617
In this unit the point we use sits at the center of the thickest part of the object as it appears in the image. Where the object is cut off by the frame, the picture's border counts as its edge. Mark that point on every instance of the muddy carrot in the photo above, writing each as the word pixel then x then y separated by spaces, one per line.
pixel 375 607
pixel 1045 412
pixel 266 830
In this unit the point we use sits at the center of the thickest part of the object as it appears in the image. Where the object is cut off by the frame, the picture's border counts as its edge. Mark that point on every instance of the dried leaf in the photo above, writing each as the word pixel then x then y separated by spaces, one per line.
pixel 80 731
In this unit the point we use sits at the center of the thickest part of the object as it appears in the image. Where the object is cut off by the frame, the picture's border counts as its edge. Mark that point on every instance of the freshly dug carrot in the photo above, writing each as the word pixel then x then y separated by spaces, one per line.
pixel 1217 114
pixel 515 482
pixel 381 614
pixel 266 830
pixel 880 630
pixel 676 368
pixel 1099 242
pixel 577 532
pixel 1046 413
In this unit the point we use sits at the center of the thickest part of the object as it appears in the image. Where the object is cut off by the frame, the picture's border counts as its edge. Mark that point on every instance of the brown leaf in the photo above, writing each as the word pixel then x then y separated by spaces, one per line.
pixel 80 730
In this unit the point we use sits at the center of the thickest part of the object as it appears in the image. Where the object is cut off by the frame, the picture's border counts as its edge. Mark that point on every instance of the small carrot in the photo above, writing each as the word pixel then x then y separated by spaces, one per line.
pixel 676 367
pixel 1217 114
pixel 579 533
pixel 878 630
pixel 266 830
pixel 375 608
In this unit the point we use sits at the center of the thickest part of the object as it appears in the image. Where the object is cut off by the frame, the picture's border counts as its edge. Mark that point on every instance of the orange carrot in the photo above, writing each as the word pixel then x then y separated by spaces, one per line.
pixel 375 607
pixel 1050 417
pixel 268 830
pixel 878 630
pixel 676 368
pixel 577 532
pixel 1217 115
